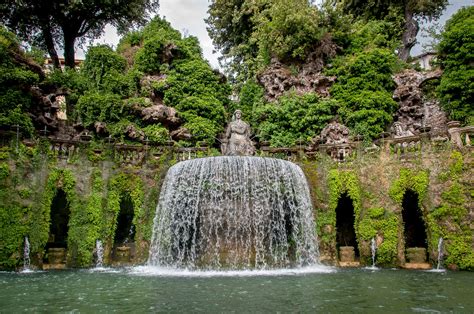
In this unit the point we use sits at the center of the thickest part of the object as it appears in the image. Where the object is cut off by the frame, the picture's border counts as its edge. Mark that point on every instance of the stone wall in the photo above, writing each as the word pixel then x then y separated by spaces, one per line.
pixel 95 178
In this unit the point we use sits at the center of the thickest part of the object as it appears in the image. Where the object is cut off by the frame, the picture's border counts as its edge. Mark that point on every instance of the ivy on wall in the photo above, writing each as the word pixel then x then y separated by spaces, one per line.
pixel 12 218
pixel 121 185
pixel 383 225
pixel 340 182
pixel 85 224
pixel 448 220
pixel 39 227
pixel 416 181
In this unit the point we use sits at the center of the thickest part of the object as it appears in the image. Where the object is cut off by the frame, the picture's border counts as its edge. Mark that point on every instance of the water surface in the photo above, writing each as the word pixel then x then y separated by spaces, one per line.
pixel 142 289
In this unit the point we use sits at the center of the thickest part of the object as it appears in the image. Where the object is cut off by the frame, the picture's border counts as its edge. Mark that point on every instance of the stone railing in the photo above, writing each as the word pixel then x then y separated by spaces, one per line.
pixel 137 154
pixel 460 137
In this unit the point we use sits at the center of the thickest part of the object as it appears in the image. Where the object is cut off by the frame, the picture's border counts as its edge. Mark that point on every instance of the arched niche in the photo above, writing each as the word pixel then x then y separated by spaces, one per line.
pixel 414 230
pixel 345 230
pixel 125 230
pixel 59 220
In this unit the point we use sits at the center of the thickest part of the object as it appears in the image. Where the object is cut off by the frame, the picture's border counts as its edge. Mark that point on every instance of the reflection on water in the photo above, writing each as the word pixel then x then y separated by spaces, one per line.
pixel 143 289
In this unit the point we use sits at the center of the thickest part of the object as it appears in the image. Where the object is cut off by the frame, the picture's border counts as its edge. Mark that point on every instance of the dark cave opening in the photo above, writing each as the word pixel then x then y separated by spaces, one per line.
pixel 414 230
pixel 125 231
pixel 58 229
pixel 345 232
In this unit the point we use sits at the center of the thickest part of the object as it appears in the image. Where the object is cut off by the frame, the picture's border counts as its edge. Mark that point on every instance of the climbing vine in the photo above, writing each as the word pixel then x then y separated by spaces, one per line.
pixel 448 220
pixel 380 224
pixel 340 182
pixel 119 186
pixel 416 181
pixel 39 228
pixel 410 179
pixel 85 223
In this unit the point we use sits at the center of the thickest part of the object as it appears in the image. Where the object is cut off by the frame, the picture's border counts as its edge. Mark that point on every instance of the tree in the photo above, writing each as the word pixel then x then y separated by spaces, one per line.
pixel 456 55
pixel 250 32
pixel 231 24
pixel 411 10
pixel 51 23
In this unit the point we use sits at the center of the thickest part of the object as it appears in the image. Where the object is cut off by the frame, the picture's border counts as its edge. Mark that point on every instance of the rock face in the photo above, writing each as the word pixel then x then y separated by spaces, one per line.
pixel 279 78
pixel 415 111
pixel 135 134
pixel 181 134
pixel 45 111
pixel 335 133
pixel 160 113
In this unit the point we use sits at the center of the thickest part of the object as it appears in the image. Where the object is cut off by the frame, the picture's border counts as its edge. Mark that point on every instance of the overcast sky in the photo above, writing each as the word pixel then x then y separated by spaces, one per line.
pixel 189 15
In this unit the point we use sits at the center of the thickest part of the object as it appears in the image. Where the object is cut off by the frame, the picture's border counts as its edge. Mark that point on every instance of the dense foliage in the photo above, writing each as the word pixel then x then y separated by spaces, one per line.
pixel 456 53
pixel 15 81
pixel 364 90
pixel 409 11
pixel 294 120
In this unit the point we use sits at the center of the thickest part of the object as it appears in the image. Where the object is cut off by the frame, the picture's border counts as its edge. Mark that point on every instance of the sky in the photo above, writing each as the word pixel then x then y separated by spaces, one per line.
pixel 188 16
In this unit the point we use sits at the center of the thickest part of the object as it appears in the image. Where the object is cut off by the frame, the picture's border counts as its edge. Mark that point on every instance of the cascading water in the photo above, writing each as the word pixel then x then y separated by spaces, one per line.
pixel 233 213
pixel 26 255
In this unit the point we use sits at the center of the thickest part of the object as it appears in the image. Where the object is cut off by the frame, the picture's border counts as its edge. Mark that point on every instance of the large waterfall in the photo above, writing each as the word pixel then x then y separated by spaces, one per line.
pixel 234 213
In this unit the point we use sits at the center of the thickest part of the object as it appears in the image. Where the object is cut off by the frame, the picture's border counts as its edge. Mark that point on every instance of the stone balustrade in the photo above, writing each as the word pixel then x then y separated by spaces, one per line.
pixel 137 154
pixel 460 137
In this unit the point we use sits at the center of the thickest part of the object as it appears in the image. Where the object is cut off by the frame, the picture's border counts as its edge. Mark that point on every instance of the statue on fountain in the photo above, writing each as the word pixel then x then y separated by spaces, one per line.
pixel 237 140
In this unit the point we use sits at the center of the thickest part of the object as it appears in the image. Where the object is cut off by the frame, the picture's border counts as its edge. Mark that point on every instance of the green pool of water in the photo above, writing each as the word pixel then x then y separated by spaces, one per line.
pixel 139 290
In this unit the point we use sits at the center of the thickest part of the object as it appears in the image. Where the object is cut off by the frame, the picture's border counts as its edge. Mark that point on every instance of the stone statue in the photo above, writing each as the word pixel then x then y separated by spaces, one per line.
pixel 237 137
pixel 400 130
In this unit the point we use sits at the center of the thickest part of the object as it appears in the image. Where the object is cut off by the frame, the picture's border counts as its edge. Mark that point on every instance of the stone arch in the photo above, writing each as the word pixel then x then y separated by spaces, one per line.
pixel 409 193
pixel 125 230
pixel 345 203
pixel 414 229
pixel 59 220
pixel 58 205
pixel 345 226
pixel 125 206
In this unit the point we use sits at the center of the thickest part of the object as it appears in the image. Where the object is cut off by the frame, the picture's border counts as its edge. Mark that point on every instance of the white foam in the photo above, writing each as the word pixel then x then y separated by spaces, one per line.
pixel 176 272
pixel 104 270
pixel 436 270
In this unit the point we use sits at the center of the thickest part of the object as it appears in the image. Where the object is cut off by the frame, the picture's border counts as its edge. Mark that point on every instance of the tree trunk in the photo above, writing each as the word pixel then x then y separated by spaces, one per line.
pixel 69 42
pixel 48 38
pixel 409 35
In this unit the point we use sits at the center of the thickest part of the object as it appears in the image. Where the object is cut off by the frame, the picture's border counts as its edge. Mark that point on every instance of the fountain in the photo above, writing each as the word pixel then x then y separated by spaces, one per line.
pixel 100 254
pixel 440 253
pixel 26 255
pixel 234 212
pixel 373 249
